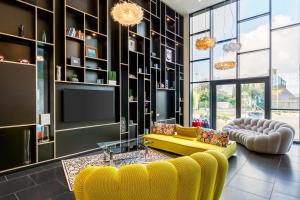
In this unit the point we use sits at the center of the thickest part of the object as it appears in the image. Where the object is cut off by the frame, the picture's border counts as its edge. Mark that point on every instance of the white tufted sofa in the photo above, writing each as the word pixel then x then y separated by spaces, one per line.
pixel 261 135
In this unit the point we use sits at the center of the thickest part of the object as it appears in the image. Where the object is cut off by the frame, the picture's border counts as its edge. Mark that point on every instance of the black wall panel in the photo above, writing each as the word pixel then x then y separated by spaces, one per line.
pixel 17 94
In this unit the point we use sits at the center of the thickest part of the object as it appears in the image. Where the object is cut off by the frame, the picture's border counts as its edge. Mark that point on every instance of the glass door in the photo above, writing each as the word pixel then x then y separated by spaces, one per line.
pixel 253 100
pixel 239 98
pixel 225 104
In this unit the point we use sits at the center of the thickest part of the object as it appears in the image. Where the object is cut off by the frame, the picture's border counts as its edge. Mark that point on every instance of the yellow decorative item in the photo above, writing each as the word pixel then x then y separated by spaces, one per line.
pixel 188 131
pixel 183 146
pixel 225 65
pixel 205 43
pixel 127 14
pixel 200 176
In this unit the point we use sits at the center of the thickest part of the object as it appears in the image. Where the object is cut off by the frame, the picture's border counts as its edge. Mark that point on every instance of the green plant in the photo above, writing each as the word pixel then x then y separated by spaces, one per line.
pixel 112 75
pixel 74 75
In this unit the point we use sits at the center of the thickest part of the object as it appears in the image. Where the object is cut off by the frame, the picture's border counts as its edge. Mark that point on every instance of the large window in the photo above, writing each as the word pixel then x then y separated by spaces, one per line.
pixel 269 32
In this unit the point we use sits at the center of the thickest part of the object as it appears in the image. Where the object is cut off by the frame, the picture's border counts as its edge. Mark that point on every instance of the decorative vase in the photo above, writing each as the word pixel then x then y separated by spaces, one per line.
pixel 27 154
pixel 21 30
pixel 123 125
pixel 44 37
pixel 58 73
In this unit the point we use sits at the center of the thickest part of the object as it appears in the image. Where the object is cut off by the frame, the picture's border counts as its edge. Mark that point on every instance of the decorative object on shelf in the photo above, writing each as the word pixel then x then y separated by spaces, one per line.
pixel 123 125
pixel 21 30
pixel 157 85
pixel 74 77
pixel 232 46
pixel 169 55
pixel 1 58
pixel 132 44
pixel 225 65
pixel 72 32
pixel 205 43
pixel 140 70
pixel 127 14
pixel 44 122
pixel 147 131
pixel 58 73
pixel 130 122
pixel 131 98
pixel 39 132
pixel 153 54
pixel 132 76
pixel 162 85
pixel 91 52
pixel 75 61
pixel 112 78
pixel 155 65
pixel 100 81
pixel 166 84
pixel 44 37
pixel 23 61
pixel 40 58
pixel 27 148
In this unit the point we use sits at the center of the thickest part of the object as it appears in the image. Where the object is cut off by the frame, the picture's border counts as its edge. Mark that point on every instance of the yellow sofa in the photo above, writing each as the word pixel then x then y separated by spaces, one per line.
pixel 200 176
pixel 186 145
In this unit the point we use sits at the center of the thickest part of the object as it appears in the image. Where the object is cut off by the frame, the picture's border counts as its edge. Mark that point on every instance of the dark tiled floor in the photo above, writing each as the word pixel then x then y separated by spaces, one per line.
pixel 251 176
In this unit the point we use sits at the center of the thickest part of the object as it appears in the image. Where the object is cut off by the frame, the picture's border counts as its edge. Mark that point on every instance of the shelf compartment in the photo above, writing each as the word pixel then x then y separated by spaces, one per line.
pixel 45 24
pixel 45 151
pixel 93 76
pixel 99 42
pixel 13 49
pixel 78 71
pixel 74 49
pixel 91 23
pixel 12 147
pixel 25 16
pixel 89 7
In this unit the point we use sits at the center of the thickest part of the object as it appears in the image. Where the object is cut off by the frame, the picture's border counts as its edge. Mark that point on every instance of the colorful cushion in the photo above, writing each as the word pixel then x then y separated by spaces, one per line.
pixel 163 129
pixel 187 131
pixel 209 136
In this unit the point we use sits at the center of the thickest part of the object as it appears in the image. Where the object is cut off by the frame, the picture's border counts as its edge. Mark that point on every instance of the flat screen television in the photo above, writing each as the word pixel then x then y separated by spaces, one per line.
pixel 88 105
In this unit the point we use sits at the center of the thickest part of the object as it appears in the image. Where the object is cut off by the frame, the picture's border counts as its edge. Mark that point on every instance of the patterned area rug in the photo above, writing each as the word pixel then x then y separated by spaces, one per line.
pixel 73 166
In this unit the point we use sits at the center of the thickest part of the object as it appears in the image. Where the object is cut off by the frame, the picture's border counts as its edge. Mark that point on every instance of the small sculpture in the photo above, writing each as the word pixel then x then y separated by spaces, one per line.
pixel 1 58
pixel 44 37
pixel 21 30
pixel 23 61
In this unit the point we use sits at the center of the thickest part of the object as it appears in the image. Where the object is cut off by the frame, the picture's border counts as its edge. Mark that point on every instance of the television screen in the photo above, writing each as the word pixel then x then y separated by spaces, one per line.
pixel 88 105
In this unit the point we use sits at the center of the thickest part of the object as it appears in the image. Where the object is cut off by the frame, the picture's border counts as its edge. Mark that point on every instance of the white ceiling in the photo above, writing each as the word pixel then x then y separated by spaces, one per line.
pixel 190 6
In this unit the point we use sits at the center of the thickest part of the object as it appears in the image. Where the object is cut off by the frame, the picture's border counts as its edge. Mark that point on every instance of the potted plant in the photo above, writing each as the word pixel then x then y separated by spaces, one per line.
pixel 112 78
pixel 75 77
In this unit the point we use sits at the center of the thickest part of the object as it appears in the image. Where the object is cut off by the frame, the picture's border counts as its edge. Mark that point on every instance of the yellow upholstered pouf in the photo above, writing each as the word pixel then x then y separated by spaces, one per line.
pixel 200 176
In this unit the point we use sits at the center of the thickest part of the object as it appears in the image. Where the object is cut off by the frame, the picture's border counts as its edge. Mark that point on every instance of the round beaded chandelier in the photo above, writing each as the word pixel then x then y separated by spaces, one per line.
pixel 205 43
pixel 127 14
pixel 225 65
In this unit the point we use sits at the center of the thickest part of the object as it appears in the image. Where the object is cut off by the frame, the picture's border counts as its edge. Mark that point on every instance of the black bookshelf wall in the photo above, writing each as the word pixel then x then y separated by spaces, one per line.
pixel 151 84
pixel 142 73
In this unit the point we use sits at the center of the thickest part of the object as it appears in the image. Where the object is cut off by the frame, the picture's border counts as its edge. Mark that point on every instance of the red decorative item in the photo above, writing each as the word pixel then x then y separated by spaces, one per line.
pixel 197 123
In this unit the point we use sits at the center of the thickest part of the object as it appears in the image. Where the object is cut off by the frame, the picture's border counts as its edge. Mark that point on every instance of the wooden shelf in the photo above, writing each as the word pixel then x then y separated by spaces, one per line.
pixel 85 83
pixel 98 59
pixel 74 38
pixel 17 37
pixel 18 63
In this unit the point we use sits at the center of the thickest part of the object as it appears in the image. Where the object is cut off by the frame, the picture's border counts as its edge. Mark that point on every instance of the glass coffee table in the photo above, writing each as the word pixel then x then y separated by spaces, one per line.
pixel 133 151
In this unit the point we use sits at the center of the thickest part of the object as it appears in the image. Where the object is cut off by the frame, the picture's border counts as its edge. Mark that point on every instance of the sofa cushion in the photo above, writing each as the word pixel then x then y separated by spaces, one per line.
pixel 210 136
pixel 163 129
pixel 187 131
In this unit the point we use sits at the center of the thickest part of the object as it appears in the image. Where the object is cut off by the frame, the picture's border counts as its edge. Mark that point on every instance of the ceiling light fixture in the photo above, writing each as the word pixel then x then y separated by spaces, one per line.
pixel 225 65
pixel 127 14
pixel 205 43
